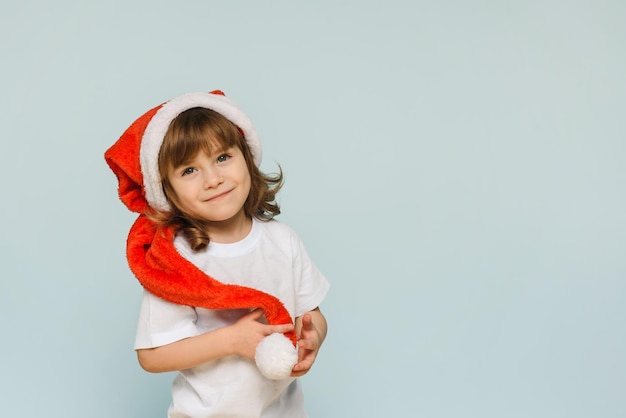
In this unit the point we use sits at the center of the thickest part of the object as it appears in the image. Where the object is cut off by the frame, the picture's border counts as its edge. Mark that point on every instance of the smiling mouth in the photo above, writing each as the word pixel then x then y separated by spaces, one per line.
pixel 219 196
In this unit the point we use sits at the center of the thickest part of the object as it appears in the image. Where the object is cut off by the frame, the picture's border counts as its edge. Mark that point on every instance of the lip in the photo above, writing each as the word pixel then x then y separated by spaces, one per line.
pixel 218 196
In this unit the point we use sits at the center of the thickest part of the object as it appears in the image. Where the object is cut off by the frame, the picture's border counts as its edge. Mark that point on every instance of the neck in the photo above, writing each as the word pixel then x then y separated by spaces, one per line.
pixel 230 230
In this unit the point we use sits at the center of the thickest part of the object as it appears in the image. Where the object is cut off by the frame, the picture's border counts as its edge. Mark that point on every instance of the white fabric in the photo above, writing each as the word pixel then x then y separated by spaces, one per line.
pixel 272 259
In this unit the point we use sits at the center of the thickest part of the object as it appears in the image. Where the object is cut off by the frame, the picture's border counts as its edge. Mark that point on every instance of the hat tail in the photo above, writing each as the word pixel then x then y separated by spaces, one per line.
pixel 162 271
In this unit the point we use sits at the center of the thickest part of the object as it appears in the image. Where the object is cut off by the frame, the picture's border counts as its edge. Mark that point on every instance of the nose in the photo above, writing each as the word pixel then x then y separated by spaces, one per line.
pixel 212 178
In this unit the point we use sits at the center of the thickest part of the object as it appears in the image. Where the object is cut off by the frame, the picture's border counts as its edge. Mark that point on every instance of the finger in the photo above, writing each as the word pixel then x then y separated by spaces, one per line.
pixel 281 329
pixel 305 353
pixel 307 322
pixel 299 369
pixel 296 373
pixel 255 314
pixel 303 366
pixel 307 344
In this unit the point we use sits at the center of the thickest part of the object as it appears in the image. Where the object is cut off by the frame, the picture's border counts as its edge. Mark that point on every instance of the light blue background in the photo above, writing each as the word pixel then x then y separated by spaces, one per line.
pixel 456 168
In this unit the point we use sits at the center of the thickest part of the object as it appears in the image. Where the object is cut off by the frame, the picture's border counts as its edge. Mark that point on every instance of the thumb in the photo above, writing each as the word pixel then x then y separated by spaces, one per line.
pixel 255 314
pixel 307 322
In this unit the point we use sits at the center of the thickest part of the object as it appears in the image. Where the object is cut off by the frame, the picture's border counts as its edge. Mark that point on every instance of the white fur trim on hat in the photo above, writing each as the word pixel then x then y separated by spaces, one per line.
pixel 155 132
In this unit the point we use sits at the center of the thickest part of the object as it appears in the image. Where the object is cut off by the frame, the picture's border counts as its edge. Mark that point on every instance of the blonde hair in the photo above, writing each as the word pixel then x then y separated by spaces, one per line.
pixel 204 130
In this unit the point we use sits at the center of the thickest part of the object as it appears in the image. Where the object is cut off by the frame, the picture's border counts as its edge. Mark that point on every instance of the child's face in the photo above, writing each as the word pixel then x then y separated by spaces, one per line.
pixel 212 187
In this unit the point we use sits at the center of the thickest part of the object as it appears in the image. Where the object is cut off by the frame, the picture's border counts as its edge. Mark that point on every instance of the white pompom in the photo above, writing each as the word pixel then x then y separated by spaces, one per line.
pixel 275 356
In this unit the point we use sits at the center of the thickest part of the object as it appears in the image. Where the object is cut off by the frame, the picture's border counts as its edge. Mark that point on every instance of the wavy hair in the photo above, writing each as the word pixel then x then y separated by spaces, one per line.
pixel 204 130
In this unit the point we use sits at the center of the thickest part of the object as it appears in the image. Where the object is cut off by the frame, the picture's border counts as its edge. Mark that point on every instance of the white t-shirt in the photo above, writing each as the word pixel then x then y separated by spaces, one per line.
pixel 271 259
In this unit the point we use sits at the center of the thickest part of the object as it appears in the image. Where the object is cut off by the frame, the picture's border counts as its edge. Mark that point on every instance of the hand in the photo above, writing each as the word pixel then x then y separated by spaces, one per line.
pixel 309 342
pixel 248 332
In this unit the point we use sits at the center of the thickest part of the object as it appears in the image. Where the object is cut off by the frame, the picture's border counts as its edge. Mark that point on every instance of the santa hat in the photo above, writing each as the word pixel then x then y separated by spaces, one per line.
pixel 150 249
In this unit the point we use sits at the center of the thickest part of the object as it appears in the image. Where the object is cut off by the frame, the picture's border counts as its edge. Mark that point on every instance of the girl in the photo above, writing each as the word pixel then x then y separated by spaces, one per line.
pixel 220 274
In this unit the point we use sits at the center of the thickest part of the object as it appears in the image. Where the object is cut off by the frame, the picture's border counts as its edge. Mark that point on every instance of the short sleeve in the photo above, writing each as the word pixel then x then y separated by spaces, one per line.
pixel 161 322
pixel 312 285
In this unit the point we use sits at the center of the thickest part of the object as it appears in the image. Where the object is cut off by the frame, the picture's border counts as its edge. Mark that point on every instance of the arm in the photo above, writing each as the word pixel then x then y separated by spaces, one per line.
pixel 240 338
pixel 311 328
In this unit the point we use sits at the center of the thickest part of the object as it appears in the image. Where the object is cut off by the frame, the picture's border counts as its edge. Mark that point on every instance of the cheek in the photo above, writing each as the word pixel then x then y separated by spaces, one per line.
pixel 182 193
pixel 170 193
pixel 247 181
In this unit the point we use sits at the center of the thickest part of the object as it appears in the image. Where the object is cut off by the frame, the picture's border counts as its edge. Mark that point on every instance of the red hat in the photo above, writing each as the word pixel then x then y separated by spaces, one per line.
pixel 150 250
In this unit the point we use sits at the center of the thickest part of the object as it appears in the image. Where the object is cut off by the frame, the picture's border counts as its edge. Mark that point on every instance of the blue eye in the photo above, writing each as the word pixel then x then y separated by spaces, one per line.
pixel 188 170
pixel 223 158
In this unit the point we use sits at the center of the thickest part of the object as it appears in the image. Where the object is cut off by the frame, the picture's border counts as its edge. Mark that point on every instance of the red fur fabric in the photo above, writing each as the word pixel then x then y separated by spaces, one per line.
pixel 123 159
pixel 166 274
pixel 152 256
